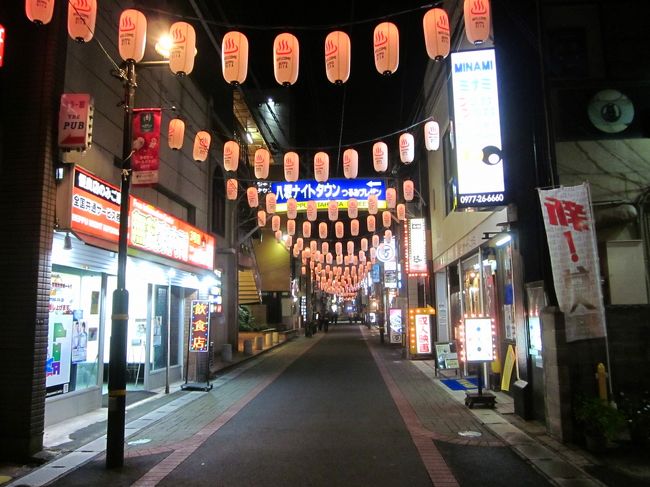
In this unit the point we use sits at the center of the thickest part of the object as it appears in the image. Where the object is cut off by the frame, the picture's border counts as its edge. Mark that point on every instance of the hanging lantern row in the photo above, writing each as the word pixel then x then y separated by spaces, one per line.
pixel 286 48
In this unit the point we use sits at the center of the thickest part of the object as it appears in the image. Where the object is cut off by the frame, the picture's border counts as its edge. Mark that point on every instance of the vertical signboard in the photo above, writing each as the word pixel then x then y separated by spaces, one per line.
pixel 199 326
pixel 395 325
pixel 59 339
pixel 75 121
pixel 146 146
pixel 420 340
pixel 574 257
pixel 479 340
pixel 416 248
pixel 478 129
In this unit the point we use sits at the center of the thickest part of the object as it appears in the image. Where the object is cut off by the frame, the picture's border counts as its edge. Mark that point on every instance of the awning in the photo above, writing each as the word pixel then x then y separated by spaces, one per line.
pixel 249 292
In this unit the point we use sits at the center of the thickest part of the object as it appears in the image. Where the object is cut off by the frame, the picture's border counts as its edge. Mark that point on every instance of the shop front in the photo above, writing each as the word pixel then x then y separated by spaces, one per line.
pixel 169 264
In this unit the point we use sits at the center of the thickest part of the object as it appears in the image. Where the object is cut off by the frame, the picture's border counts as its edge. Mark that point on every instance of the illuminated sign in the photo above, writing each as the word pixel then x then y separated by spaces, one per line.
pixel 334 189
pixel 199 326
pixel 419 330
pixel 416 247
pixel 2 45
pixel 395 325
pixel 75 121
pixel 95 211
pixel 477 129
pixel 479 339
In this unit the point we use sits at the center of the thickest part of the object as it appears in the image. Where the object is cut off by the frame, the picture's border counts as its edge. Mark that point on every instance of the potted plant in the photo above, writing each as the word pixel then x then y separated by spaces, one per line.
pixel 600 422
pixel 635 407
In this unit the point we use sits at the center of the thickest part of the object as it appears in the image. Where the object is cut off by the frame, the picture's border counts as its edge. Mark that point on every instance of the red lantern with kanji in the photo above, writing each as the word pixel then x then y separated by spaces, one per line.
pixel 431 135
pixel 175 133
pixel 325 248
pixel 409 190
pixel 436 33
pixel 231 189
pixel 275 223
pixel 291 227
pixel 262 160
pixel 39 11
pixel 132 35
pixel 350 163
pixel 338 229
pixel 261 218
pixel 286 57
pixel 82 15
pixel 386 48
pixel 353 208
pixel 291 167
pixel 388 235
pixel 401 212
pixel 391 197
pixel 252 197
pixel 364 244
pixel 321 166
pixel 338 247
pixel 300 243
pixel 477 20
pixel 270 202
pixel 234 57
pixel 375 242
pixel 292 208
pixel 306 229
pixel 386 218
pixel 312 210
pixel 333 210
pixel 373 204
pixel 322 230
pixel 380 156
pixel 406 148
pixel 183 49
pixel 354 227
pixel 231 155
pixel 201 146
pixel 371 223
pixel 350 248
pixel 337 57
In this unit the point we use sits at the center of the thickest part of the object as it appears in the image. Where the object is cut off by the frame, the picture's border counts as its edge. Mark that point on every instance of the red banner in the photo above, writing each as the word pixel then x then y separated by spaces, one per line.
pixel 146 146
pixel 200 326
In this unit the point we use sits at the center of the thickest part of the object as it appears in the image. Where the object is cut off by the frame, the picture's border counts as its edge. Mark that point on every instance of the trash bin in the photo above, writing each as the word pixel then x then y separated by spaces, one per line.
pixel 248 347
pixel 259 343
pixel 226 352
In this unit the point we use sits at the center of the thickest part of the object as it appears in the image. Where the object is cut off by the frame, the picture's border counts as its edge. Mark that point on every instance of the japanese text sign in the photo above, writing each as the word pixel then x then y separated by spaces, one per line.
pixel 75 121
pixel 416 248
pixel 199 326
pixel 574 257
pixel 146 146
pixel 419 331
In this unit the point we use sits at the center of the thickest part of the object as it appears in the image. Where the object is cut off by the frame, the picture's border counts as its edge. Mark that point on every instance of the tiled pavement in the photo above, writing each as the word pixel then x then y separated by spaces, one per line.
pixel 435 413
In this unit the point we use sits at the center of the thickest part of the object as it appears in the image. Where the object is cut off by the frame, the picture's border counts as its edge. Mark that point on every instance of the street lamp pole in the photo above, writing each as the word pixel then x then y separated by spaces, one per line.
pixel 120 316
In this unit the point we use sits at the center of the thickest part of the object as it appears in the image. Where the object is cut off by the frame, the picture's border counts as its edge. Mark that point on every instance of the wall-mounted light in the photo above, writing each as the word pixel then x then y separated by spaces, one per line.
pixel 503 240
pixel 67 242
pixel 249 137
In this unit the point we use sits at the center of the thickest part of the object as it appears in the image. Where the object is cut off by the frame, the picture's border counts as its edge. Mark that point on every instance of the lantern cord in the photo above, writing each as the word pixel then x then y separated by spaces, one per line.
pixel 338 154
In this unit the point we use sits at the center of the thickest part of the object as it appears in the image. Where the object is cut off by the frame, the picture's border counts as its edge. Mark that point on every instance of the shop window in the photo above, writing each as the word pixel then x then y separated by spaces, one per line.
pixel 471 282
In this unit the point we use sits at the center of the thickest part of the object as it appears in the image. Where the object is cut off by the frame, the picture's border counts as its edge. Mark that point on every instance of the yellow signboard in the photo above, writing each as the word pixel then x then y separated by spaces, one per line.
pixel 507 368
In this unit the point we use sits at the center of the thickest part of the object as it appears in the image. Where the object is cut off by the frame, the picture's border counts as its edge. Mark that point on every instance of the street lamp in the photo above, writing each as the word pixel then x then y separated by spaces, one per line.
pixel 131 43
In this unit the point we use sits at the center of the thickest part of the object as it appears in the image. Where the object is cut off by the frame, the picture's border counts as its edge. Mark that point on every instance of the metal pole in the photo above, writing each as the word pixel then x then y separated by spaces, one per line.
pixel 120 317
pixel 169 329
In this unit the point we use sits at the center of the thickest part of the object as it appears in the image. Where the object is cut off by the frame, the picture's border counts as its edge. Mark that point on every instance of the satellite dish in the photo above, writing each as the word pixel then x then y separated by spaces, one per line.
pixel 610 111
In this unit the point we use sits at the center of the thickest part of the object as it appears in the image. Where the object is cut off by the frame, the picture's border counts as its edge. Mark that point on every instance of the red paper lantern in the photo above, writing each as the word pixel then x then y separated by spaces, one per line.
pixel 386 48
pixel 175 133
pixel 333 210
pixel 82 15
pixel 406 148
pixel 391 197
pixel 231 189
pixel 286 57
pixel 291 166
pixel 477 20
pixel 252 197
pixel 337 57
pixel 364 244
pixel 312 210
pixel 338 229
pixel 132 35
pixel 409 190
pixel 278 235
pixel 270 202
pixel 325 248
pixel 386 218
pixel 401 212
pixel 275 223
pixel 291 227
pixel 354 227
pixel 183 50
pixel 350 163
pixel 388 235
pixel 373 204
pixel 431 135
pixel 262 159
pixel 306 229
pixel 39 11
pixel 201 146
pixel 370 223
pixel 353 208
pixel 321 166
pixel 350 247
pixel 300 243
pixel 261 218
pixel 380 156
pixel 292 208
pixel 322 230
pixel 338 246
pixel 436 33
pixel 234 57
pixel 375 243
pixel 231 155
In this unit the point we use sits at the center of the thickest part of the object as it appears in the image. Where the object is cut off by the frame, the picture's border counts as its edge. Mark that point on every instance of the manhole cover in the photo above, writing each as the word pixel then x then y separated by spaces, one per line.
pixel 470 434
pixel 141 441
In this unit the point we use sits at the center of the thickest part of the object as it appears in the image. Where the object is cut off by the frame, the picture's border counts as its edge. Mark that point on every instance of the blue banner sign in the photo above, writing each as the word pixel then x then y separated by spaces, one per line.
pixel 334 189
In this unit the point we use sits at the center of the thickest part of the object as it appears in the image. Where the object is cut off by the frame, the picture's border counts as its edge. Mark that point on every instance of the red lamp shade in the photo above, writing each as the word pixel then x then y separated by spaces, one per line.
pixel 262 160
pixel 350 163
pixel 234 57
pixel 391 197
pixel 373 204
pixel 322 230
pixel 338 229
pixel 321 166
pixel 291 227
pixel 261 218
pixel 375 243
pixel 354 227
pixel 337 57
pixel 386 48
pixel 380 156
pixel 406 148
pixel 291 166
pixel 132 35
pixel 292 208
pixel 275 223
pixel 333 210
pixel 175 133
pixel 232 188
pixel 270 202
pixel 431 135
pixel 231 155
pixel 371 223
pixel 312 210
pixel 477 20
pixel 386 218
pixel 353 208
pixel 252 197
pixel 201 146
pixel 286 57
pixel 39 11
pixel 82 15
pixel 183 50
pixel 364 244
pixel 409 190
pixel 401 212
pixel 306 229
pixel 436 33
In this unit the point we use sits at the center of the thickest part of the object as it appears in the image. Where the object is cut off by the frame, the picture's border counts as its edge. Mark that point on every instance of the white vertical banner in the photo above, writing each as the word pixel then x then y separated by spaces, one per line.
pixel 571 239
